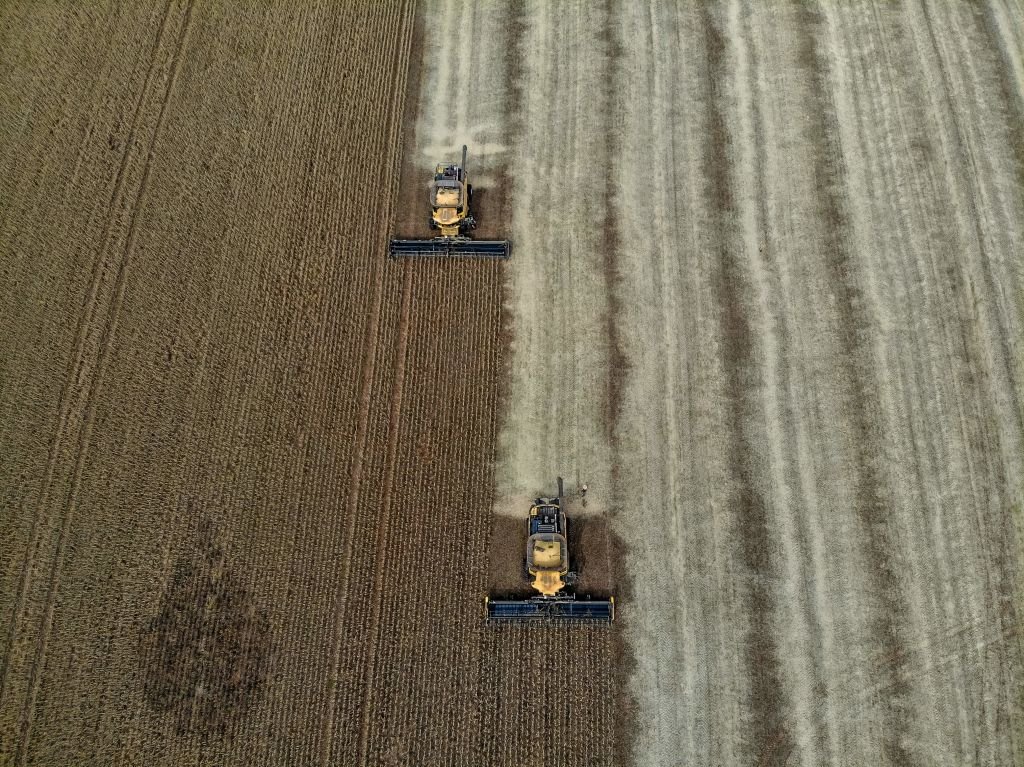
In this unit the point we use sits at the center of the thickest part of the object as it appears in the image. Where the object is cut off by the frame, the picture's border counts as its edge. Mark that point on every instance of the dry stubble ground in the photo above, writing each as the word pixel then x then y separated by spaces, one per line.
pixel 814 285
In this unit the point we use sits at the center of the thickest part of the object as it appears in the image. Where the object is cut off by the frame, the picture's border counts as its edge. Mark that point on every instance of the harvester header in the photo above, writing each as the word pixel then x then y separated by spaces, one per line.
pixel 451 199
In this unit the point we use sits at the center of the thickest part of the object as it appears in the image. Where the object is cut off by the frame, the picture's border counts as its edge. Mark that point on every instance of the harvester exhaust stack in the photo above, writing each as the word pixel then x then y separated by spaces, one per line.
pixel 547 564
pixel 451 199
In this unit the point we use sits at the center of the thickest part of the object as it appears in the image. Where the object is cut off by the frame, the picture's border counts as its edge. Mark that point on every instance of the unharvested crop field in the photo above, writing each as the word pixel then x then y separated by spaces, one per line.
pixel 246 460
pixel 766 298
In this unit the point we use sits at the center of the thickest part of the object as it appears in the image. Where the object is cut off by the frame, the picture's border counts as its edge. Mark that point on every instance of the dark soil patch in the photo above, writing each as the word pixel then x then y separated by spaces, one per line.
pixel 204 654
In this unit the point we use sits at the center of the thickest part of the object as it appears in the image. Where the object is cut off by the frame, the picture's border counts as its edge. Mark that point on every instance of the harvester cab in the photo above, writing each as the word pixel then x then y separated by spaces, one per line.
pixel 450 194
pixel 451 200
pixel 547 557
pixel 547 565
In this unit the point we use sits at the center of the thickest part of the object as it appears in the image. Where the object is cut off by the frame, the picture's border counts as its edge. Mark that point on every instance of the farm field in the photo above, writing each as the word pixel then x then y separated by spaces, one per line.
pixel 766 299
pixel 767 293
pixel 237 440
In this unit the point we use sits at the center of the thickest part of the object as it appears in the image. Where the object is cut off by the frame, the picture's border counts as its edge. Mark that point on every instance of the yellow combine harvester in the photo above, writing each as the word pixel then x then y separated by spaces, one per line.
pixel 547 565
pixel 451 199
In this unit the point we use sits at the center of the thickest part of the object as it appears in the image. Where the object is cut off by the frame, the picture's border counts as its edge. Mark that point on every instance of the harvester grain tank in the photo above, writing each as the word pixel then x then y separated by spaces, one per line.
pixel 451 200
pixel 547 565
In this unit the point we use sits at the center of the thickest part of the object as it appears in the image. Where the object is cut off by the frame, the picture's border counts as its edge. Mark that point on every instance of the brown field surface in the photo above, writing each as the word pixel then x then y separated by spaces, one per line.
pixel 246 461
pixel 766 299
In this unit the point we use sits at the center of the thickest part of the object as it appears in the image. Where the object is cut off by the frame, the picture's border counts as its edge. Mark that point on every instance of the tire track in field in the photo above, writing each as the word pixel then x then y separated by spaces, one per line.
pixel 938 422
pixel 446 449
pixel 259 430
pixel 283 322
pixel 355 478
pixel 618 362
pixel 871 508
pixel 557 396
pixel 878 144
pixel 398 660
pixel 769 729
pixel 366 389
pixel 74 388
pixel 224 317
pixel 88 404
pixel 81 387
pixel 68 582
pixel 357 700
pixel 666 444
pixel 383 519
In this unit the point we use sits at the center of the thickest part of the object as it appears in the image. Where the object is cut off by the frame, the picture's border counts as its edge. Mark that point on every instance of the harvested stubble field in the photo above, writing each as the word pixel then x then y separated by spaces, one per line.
pixel 768 293
pixel 766 298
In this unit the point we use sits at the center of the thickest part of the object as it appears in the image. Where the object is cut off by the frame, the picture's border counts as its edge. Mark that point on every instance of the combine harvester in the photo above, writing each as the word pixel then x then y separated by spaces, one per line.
pixel 547 564
pixel 451 196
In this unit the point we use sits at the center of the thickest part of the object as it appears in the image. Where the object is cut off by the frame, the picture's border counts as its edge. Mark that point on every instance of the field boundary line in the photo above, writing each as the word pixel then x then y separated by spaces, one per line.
pixel 85 435
pixel 394 427
pixel 76 370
